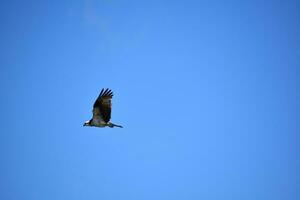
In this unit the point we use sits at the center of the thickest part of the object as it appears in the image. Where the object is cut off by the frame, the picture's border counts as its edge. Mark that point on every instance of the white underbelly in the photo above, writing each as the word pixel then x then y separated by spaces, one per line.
pixel 99 122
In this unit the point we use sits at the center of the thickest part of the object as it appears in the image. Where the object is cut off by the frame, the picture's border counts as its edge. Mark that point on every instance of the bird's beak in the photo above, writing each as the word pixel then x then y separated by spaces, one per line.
pixel 84 124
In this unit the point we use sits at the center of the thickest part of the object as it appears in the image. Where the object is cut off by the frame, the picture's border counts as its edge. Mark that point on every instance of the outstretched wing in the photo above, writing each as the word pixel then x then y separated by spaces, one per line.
pixel 102 106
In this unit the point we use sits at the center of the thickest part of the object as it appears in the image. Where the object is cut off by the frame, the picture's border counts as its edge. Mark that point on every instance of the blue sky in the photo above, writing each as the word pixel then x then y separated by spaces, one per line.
pixel 207 92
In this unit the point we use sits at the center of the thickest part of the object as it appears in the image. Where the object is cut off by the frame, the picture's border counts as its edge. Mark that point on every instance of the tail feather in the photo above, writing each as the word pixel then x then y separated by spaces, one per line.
pixel 111 125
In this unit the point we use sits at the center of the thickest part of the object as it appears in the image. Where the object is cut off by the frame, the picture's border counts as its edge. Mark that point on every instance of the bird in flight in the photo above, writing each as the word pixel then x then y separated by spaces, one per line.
pixel 102 111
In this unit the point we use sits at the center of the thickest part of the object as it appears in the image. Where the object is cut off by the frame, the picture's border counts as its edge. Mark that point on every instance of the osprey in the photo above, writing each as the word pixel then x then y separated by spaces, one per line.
pixel 102 111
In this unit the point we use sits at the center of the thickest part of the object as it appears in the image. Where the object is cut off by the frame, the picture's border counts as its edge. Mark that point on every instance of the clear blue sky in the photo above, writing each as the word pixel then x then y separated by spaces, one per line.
pixel 207 92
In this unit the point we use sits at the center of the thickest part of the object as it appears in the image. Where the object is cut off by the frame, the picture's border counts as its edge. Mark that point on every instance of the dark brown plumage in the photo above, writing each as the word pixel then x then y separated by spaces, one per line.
pixel 102 111
pixel 102 105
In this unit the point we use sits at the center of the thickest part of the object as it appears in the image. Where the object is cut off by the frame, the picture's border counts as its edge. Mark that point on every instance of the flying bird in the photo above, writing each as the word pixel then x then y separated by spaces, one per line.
pixel 102 111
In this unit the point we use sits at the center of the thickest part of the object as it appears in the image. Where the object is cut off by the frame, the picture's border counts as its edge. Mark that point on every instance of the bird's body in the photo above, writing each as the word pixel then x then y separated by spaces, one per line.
pixel 98 122
pixel 102 111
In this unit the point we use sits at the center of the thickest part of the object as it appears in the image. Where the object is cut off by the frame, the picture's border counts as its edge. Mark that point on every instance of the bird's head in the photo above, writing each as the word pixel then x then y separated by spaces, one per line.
pixel 87 123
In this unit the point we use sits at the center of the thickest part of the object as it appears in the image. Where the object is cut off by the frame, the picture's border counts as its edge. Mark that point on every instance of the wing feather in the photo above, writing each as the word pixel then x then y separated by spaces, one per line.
pixel 102 106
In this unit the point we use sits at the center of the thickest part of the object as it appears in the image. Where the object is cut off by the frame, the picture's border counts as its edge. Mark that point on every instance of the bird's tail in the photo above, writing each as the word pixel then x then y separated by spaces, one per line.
pixel 111 125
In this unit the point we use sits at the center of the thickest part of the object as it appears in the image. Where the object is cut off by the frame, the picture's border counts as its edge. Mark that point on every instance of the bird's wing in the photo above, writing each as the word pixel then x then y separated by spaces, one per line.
pixel 102 106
